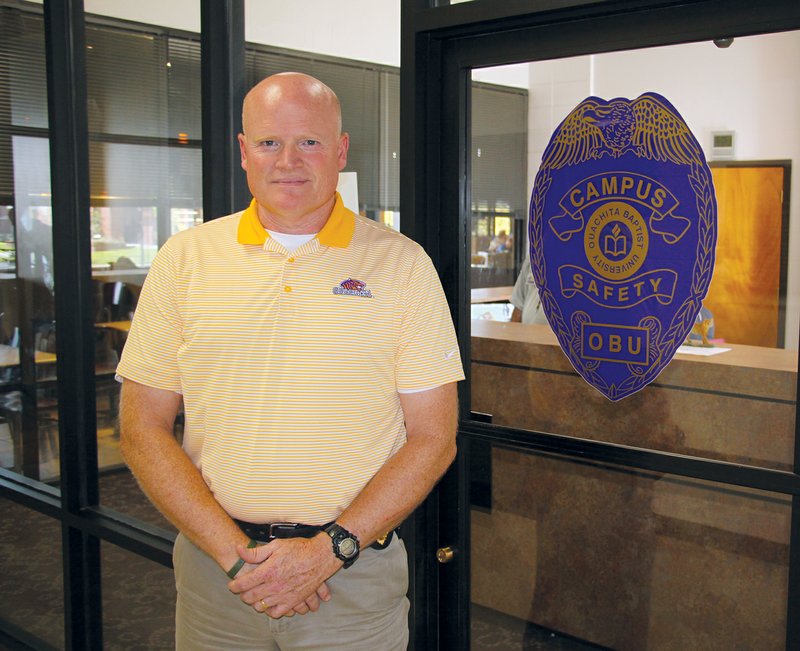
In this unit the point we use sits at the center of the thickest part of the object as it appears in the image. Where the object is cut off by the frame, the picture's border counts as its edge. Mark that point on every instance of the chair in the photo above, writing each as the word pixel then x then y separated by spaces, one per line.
pixel 106 359
pixel 46 423
pixel 118 301
pixel 10 374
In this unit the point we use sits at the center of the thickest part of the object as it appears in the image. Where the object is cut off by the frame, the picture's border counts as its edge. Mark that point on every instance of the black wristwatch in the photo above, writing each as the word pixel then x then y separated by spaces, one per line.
pixel 345 545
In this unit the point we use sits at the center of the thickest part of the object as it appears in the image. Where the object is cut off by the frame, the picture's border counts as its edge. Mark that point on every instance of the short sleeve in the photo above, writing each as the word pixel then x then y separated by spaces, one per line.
pixel 150 355
pixel 428 354
pixel 521 287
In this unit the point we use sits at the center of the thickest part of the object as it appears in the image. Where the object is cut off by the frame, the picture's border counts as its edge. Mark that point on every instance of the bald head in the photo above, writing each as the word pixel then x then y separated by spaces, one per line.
pixel 291 88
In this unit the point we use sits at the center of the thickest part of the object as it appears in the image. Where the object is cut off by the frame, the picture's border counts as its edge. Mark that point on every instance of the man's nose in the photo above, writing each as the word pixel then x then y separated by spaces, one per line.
pixel 288 157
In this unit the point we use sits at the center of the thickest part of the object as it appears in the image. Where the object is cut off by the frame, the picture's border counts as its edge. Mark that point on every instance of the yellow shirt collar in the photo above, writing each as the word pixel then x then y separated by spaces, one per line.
pixel 338 230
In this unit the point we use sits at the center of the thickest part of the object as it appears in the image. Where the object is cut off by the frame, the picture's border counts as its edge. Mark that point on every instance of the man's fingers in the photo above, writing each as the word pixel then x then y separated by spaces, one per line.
pixel 324 592
pixel 257 554
pixel 252 556
pixel 301 609
pixel 281 610
pixel 271 610
pixel 276 610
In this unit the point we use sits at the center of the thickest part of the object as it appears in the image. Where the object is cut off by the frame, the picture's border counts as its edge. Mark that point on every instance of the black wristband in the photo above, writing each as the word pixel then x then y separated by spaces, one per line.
pixel 238 564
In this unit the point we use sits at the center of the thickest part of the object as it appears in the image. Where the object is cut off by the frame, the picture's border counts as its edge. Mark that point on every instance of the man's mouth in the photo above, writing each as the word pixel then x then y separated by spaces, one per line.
pixel 290 181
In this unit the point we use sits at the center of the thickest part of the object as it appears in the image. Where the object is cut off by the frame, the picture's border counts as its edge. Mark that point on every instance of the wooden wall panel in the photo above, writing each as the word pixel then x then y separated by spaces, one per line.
pixel 744 293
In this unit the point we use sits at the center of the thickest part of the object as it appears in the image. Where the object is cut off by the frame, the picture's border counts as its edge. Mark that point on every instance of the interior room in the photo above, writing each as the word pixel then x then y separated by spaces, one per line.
pixel 665 520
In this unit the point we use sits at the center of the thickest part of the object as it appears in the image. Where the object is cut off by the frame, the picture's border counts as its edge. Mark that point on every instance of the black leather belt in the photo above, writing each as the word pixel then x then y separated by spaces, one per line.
pixel 265 533
pixel 270 531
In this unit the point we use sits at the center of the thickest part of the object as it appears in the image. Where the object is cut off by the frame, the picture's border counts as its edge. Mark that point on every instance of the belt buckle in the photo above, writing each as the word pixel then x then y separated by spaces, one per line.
pixel 281 527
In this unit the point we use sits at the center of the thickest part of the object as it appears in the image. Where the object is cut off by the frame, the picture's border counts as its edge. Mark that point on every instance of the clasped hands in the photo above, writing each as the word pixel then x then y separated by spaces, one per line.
pixel 287 576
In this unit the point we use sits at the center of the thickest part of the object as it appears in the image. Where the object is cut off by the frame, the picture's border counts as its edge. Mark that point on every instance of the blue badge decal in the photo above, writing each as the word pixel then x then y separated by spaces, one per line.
pixel 623 227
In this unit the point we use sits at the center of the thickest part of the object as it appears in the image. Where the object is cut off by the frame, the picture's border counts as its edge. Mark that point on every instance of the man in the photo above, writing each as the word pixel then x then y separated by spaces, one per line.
pixel 525 298
pixel 316 361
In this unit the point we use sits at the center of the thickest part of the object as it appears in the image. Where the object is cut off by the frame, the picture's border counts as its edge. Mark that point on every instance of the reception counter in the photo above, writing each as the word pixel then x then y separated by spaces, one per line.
pixel 627 559
pixel 735 406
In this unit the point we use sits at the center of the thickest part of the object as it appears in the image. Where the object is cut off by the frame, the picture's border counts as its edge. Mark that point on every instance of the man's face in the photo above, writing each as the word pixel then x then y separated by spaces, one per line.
pixel 292 152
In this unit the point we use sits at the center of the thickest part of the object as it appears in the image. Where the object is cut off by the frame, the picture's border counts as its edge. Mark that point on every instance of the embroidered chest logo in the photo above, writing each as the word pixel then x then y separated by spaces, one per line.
pixel 623 227
pixel 353 287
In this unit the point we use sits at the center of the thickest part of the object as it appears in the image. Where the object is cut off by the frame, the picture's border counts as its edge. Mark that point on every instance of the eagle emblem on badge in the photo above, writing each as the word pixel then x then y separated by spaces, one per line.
pixel 623 230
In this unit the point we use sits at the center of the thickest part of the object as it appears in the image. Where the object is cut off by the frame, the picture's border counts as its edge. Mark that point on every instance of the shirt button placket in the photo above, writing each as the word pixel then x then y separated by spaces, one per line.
pixel 287 287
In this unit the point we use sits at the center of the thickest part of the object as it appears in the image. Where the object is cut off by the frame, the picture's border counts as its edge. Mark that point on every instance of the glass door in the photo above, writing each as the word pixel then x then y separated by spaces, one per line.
pixel 570 521
pixel 597 554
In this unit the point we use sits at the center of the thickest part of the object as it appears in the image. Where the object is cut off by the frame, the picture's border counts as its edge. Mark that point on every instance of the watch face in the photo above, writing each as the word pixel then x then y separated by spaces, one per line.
pixel 347 547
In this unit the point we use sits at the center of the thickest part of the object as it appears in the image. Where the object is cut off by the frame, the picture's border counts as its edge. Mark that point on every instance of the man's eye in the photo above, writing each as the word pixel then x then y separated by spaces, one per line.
pixel 311 143
pixel 268 143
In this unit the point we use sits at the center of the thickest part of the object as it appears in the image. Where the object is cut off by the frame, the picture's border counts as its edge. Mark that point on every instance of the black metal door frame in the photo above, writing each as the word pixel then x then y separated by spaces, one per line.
pixel 440 45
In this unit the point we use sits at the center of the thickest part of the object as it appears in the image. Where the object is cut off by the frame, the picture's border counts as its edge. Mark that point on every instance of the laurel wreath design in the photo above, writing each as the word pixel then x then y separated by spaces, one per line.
pixel 663 344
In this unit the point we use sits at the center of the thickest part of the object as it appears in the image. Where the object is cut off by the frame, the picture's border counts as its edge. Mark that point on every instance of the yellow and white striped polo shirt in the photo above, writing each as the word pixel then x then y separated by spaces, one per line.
pixel 290 364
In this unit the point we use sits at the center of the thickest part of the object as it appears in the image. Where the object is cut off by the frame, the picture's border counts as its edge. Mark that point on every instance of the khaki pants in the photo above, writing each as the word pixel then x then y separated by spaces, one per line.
pixel 368 610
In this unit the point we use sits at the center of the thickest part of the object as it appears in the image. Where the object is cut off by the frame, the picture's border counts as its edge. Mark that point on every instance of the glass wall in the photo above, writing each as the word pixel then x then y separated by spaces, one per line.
pixel 138 602
pixel 31 578
pixel 28 406
pixel 145 185
pixel 145 175
pixel 606 555
pixel 597 556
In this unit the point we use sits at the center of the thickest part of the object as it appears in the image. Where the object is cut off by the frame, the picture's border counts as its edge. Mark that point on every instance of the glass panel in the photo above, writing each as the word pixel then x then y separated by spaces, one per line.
pixel 570 555
pixel 120 491
pixel 737 405
pixel 131 104
pixel 390 150
pixel 28 406
pixel 138 601
pixel 499 204
pixel 145 183
pixel 30 574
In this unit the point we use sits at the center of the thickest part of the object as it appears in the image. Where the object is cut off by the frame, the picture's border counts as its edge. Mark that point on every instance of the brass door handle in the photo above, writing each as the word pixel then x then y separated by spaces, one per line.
pixel 445 554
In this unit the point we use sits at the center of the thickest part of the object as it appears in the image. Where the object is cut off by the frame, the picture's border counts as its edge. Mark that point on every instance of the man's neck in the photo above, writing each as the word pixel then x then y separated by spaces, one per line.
pixel 309 223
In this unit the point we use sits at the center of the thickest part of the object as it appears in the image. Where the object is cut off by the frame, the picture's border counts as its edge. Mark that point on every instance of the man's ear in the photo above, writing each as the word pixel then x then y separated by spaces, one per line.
pixel 243 151
pixel 344 145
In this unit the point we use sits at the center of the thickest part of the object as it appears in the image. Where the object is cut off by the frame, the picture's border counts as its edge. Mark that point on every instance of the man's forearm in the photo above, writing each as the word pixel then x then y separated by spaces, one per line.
pixel 395 491
pixel 169 478
pixel 408 477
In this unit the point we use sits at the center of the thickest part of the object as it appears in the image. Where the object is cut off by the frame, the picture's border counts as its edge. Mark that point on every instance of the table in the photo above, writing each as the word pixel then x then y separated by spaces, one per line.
pixel 117 332
pixel 9 356
pixel 132 276
pixel 491 294
pixel 120 326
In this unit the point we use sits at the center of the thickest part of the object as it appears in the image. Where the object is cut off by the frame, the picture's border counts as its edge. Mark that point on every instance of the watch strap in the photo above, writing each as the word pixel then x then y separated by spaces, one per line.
pixel 338 535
